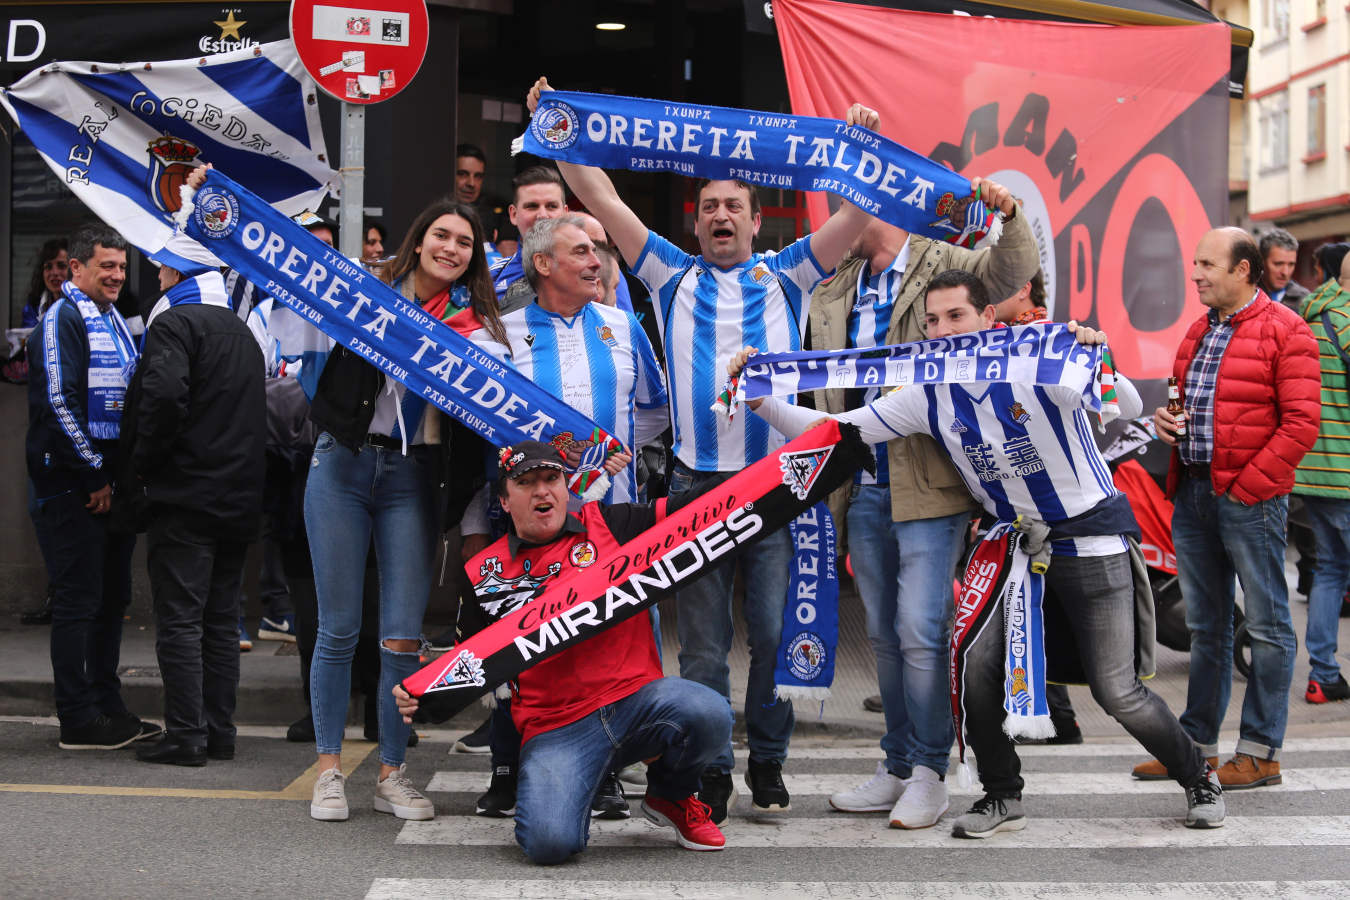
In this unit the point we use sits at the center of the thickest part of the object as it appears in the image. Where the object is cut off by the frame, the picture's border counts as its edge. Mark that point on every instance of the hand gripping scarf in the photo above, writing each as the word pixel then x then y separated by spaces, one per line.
pixel 396 336
pixel 715 527
pixel 800 153
pixel 1043 354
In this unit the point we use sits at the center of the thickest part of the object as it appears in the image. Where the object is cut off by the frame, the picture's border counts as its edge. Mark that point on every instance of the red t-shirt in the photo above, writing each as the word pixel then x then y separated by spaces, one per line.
pixel 601 670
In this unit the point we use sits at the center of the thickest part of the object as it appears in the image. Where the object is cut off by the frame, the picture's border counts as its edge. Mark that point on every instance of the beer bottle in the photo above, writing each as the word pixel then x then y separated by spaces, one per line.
pixel 1175 407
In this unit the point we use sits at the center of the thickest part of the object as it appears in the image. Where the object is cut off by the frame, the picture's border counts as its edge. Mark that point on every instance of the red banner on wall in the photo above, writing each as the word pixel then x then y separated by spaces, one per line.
pixel 1114 138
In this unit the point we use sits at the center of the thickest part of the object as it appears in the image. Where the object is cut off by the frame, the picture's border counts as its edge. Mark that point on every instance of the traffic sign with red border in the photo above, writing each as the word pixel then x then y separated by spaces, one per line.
pixel 360 51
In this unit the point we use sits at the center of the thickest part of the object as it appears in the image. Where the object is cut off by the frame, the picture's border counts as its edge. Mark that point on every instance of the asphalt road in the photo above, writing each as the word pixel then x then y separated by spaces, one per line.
pixel 100 824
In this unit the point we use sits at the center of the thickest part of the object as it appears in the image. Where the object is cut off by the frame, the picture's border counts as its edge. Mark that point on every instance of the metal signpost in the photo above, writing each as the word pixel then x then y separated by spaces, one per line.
pixel 361 52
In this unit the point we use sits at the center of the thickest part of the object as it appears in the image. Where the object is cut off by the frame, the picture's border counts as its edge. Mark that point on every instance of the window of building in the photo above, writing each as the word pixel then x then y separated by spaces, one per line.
pixel 1276 21
pixel 1317 122
pixel 1273 132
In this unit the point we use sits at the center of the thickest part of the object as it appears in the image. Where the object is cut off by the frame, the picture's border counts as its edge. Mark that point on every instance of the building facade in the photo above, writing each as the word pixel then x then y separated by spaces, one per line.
pixel 1298 126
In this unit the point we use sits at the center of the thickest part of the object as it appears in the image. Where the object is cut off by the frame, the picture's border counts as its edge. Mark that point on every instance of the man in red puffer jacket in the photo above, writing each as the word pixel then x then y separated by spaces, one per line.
pixel 1251 384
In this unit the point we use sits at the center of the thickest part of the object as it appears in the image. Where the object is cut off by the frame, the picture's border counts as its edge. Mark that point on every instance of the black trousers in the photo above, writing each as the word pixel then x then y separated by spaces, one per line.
pixel 89 570
pixel 195 582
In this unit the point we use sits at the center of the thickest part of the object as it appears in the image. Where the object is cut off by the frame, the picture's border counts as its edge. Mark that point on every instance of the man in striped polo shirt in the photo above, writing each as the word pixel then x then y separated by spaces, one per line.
pixel 1323 481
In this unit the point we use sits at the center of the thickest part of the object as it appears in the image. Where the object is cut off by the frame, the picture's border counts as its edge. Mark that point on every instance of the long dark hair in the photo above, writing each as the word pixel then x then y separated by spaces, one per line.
pixel 49 251
pixel 482 296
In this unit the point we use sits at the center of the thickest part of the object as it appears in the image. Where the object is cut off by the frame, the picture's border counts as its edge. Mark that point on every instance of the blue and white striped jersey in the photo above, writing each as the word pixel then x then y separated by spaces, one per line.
pixel 868 322
pixel 1019 448
pixel 506 271
pixel 705 315
pixel 601 364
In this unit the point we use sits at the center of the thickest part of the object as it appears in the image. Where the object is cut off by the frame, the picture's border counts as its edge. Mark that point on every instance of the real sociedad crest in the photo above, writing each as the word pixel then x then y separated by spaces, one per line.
pixel 801 469
pixel 171 161
pixel 556 125
pixel 216 211
pixel 806 656
pixel 465 671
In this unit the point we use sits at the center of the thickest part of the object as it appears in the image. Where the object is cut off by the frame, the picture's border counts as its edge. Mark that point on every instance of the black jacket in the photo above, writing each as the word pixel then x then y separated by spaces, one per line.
pixel 62 455
pixel 344 405
pixel 196 424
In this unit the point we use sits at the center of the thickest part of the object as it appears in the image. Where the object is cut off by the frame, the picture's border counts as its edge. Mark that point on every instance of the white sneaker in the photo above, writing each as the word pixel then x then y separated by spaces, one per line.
pixel 877 794
pixel 395 794
pixel 329 802
pixel 924 800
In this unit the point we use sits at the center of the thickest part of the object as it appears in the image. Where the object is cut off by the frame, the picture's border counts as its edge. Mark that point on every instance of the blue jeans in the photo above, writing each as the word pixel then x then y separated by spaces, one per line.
pixel 1217 538
pixel 1330 522
pixel 706 632
pixel 1096 594
pixel 350 498
pixel 683 723
pixel 89 574
pixel 904 573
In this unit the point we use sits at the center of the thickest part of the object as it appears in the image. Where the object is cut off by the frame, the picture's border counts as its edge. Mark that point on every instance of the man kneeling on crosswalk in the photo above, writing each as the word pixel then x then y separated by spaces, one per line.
pixel 602 704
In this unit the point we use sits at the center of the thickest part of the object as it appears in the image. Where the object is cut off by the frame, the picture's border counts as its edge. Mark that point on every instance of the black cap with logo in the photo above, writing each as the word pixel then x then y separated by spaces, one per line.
pixel 516 460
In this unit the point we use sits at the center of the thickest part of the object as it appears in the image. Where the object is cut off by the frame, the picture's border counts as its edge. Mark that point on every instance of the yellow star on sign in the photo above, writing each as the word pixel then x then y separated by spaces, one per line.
pixel 230 27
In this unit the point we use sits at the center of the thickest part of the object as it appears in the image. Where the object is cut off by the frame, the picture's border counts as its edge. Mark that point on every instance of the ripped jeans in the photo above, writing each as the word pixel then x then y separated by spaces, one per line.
pixel 350 499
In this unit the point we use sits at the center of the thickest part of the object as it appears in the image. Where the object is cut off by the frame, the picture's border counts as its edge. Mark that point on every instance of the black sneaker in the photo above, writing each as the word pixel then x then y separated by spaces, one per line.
pixel 716 793
pixel 609 802
pixel 767 791
pixel 145 730
pixel 301 730
pixel 500 800
pixel 169 752
pixel 475 741
pixel 101 734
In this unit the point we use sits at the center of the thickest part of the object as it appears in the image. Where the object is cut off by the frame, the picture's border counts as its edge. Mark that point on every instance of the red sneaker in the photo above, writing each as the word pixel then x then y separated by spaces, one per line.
pixel 691 819
pixel 1319 692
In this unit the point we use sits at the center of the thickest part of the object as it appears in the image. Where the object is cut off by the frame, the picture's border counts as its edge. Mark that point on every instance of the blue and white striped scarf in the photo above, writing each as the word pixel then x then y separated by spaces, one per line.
pixel 112 362
pixel 206 288
pixel 802 153
pixel 1043 354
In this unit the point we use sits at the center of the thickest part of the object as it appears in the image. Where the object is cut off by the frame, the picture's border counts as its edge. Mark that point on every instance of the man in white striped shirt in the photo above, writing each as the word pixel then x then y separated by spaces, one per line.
pixel 1029 450
pixel 709 306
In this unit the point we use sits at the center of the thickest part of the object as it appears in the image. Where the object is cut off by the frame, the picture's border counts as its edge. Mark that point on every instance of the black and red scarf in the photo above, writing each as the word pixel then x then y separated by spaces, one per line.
pixel 710 530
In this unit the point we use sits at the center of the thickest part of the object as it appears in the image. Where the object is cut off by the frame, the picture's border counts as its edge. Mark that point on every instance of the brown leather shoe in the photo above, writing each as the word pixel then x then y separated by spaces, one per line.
pixel 1243 771
pixel 1152 770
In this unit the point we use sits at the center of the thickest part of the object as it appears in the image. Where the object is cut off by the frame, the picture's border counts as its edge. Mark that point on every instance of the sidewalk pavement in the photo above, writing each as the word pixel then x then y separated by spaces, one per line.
pixel 269 687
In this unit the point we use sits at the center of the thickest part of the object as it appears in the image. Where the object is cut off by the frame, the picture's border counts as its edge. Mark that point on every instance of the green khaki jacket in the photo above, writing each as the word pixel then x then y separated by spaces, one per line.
pixel 924 483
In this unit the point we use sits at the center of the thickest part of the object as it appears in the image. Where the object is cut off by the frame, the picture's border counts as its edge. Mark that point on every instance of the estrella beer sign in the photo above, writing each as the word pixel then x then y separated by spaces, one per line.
pixel 1114 139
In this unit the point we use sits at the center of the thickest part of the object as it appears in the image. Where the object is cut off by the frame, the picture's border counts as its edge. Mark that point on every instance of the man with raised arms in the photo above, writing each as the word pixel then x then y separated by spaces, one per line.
pixel 708 306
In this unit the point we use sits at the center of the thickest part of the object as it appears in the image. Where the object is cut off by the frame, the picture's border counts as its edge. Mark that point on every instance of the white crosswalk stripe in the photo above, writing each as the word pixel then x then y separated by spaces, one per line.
pixel 1095 748
pixel 867 832
pixel 1083 809
pixel 558 889
pixel 1038 783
